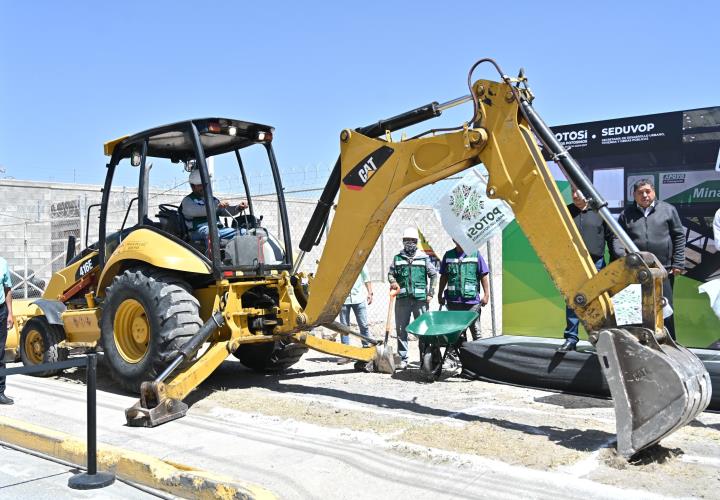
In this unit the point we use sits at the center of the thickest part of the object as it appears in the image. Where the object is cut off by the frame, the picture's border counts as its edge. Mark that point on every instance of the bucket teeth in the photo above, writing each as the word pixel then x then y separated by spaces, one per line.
pixel 656 387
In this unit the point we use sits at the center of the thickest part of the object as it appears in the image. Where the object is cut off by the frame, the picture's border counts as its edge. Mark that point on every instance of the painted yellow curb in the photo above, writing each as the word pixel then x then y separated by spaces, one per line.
pixel 170 477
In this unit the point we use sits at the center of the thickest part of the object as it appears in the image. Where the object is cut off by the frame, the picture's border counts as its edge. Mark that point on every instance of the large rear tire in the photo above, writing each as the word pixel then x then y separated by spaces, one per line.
pixel 270 357
pixel 39 344
pixel 148 315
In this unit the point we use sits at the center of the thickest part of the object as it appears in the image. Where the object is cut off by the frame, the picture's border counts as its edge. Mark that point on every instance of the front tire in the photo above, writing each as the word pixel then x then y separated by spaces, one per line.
pixel 39 344
pixel 148 315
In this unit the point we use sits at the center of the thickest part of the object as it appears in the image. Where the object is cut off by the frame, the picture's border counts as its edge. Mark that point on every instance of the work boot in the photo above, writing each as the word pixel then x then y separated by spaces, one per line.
pixel 569 345
pixel 4 400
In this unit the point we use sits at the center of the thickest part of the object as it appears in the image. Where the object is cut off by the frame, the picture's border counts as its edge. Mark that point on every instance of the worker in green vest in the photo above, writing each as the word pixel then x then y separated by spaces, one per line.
pixel 413 275
pixel 464 275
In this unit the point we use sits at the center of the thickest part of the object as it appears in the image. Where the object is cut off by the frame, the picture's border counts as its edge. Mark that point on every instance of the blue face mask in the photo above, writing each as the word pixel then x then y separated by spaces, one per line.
pixel 410 247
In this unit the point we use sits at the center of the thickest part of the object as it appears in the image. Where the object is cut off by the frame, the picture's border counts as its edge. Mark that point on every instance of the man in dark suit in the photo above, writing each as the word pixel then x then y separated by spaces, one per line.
pixel 596 235
pixel 654 226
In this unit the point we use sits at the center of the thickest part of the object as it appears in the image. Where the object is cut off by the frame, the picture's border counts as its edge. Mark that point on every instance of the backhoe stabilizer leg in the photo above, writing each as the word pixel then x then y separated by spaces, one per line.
pixel 154 407
pixel 656 387
pixel 380 355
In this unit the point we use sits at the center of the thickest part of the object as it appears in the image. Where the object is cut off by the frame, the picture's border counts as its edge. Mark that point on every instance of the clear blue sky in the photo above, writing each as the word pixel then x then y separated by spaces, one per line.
pixel 76 74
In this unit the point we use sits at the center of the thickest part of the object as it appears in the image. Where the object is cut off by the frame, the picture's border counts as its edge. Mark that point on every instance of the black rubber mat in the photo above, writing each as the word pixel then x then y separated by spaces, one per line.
pixel 533 362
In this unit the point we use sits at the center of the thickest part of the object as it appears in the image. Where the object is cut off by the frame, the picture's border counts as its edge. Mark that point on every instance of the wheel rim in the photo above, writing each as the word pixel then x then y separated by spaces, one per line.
pixel 131 331
pixel 34 347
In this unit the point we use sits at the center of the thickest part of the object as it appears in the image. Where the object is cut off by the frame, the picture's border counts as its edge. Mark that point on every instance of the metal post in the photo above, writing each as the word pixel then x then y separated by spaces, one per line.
pixel 92 479
pixel 382 256
pixel 91 414
pixel 492 289
pixel 82 206
pixel 25 259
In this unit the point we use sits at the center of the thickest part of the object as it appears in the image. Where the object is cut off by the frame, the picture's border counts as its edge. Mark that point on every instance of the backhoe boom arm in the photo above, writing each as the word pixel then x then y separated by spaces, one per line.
pixel 657 386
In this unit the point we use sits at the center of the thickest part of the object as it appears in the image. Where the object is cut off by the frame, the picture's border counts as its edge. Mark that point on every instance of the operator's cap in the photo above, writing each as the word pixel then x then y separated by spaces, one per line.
pixel 195 177
pixel 410 234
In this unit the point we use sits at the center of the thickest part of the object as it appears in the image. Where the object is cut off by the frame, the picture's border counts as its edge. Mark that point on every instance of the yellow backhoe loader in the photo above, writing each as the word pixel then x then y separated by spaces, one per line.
pixel 152 295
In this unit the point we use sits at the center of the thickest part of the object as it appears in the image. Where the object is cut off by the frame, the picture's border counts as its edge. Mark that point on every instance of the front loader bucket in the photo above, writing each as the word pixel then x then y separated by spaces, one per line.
pixel 656 387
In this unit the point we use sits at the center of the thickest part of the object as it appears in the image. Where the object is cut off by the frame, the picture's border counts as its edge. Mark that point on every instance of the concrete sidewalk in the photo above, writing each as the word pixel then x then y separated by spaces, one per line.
pixel 59 433
pixel 25 475
pixel 307 460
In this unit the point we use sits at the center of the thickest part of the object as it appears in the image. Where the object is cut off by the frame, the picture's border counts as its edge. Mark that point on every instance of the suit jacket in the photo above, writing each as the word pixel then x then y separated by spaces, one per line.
pixel 595 233
pixel 660 233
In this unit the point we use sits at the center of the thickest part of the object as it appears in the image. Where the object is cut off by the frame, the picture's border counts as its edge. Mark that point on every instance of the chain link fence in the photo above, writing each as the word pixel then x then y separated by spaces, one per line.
pixel 38 218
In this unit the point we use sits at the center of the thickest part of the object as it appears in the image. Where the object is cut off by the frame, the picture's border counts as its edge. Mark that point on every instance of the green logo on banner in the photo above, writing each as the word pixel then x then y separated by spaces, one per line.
pixel 707 192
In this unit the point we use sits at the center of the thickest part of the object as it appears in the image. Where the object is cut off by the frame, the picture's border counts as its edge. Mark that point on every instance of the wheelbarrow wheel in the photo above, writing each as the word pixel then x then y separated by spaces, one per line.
pixel 432 364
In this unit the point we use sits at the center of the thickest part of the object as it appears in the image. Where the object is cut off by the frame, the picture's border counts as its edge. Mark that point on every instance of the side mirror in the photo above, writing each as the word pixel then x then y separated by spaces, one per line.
pixel 135 158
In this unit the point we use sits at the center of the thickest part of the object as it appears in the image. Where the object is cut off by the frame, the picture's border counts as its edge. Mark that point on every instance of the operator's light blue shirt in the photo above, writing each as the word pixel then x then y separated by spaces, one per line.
pixel 358 294
pixel 5 276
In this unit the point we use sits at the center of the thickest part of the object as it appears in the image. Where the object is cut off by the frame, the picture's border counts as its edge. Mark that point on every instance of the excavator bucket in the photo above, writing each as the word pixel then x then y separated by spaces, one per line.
pixel 657 387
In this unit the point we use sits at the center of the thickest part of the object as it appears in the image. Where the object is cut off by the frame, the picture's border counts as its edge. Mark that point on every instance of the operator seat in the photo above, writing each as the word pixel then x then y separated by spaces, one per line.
pixel 172 221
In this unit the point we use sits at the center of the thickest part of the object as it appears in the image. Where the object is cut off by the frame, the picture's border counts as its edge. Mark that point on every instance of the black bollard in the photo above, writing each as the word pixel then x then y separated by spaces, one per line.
pixel 92 479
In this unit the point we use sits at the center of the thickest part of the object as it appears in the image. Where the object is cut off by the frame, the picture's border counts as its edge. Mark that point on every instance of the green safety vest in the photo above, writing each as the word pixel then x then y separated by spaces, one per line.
pixel 462 275
pixel 411 276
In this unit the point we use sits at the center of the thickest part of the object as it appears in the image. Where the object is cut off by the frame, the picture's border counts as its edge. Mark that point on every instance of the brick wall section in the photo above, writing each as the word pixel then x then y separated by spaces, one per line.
pixel 37 217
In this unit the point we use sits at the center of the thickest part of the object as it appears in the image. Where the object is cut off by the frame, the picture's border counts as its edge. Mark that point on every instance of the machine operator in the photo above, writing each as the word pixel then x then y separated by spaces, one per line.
pixel 193 210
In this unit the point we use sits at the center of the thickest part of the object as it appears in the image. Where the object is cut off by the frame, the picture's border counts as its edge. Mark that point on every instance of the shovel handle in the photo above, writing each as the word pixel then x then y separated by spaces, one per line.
pixel 388 322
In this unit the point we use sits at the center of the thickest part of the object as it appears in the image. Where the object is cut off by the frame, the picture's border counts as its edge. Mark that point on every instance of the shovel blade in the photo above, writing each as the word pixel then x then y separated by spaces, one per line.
pixel 656 387
pixel 384 360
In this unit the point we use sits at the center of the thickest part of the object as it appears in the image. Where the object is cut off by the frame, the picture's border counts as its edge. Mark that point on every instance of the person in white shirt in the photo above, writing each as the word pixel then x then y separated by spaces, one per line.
pixel 361 295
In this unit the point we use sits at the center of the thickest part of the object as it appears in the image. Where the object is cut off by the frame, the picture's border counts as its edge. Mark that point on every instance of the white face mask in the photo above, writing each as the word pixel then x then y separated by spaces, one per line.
pixel 410 247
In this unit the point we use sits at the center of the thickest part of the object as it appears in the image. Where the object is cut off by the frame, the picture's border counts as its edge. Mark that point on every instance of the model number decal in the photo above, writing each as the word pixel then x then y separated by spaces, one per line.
pixel 86 267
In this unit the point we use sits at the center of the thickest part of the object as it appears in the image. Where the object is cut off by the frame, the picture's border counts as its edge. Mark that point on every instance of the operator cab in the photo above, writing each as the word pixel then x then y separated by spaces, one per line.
pixel 213 164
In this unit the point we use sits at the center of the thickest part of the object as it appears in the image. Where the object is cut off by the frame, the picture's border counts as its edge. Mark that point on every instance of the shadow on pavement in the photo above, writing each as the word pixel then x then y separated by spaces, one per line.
pixel 232 374
pixel 571 401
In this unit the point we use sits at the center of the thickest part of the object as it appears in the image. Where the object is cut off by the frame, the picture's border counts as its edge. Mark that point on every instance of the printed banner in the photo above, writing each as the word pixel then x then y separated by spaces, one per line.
pixel 700 186
pixel 680 187
pixel 622 135
pixel 628 306
pixel 468 215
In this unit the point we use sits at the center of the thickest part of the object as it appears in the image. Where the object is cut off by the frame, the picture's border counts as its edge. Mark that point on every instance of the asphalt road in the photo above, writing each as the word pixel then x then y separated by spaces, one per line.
pixel 296 460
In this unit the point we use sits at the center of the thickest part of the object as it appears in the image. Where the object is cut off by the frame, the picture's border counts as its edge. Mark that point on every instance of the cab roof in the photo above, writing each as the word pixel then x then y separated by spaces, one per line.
pixel 174 141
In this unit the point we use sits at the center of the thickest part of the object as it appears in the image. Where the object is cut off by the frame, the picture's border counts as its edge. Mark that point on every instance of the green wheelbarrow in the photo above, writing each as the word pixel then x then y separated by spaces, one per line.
pixel 440 336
